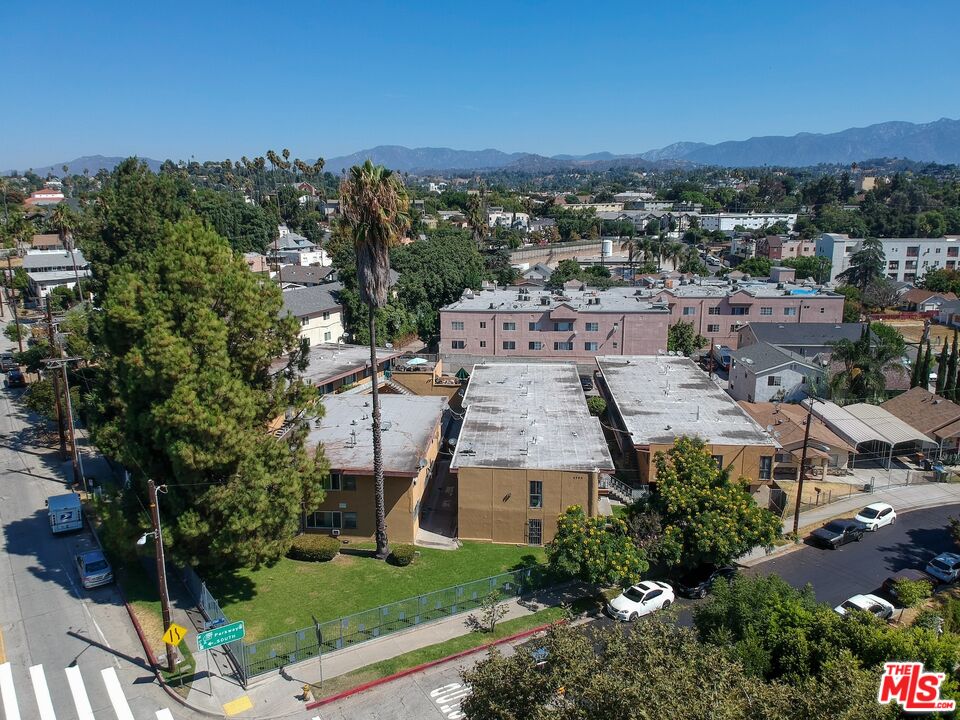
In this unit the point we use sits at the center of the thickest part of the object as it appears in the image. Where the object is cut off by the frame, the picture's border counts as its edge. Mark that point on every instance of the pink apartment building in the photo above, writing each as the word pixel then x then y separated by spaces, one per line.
pixel 579 325
pixel 783 247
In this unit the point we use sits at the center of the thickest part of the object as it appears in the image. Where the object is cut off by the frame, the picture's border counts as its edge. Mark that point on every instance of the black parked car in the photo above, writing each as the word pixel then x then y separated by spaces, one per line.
pixel 586 382
pixel 15 379
pixel 697 584
pixel 838 532
pixel 7 362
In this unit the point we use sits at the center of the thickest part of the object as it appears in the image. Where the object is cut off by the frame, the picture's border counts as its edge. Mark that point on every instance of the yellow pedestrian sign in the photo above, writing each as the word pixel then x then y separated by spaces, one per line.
pixel 174 634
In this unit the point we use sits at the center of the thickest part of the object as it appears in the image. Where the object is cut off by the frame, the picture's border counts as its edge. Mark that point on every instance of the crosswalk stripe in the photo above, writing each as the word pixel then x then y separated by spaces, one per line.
pixel 7 693
pixel 115 691
pixel 79 692
pixel 164 715
pixel 42 692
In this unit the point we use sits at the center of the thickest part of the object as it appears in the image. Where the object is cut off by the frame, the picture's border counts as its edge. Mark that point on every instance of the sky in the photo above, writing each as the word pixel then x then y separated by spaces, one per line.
pixel 214 79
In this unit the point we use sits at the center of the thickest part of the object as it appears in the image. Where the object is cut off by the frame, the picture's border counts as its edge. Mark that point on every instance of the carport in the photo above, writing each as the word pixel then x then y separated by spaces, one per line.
pixel 868 441
pixel 903 438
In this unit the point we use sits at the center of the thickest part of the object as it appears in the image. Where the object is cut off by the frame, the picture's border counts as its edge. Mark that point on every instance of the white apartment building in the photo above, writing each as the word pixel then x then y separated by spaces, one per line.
pixel 498 217
pixel 727 222
pixel 906 259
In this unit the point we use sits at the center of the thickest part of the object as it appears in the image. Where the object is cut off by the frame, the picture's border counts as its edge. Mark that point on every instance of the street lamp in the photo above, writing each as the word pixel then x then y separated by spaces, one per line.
pixel 157 535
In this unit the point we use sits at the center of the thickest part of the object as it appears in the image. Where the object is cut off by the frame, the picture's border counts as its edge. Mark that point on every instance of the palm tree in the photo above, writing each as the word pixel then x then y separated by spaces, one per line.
pixel 65 222
pixel 865 362
pixel 375 204
pixel 675 252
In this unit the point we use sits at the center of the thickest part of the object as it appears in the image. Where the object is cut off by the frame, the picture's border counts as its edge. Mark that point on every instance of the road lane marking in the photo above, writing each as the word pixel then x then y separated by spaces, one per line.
pixel 3 649
pixel 79 692
pixel 448 698
pixel 8 693
pixel 117 699
pixel 42 692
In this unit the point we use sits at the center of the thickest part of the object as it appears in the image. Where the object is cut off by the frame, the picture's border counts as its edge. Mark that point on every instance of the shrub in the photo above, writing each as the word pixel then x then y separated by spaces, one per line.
pixel 951 614
pixel 402 555
pixel 596 404
pixel 314 548
pixel 911 593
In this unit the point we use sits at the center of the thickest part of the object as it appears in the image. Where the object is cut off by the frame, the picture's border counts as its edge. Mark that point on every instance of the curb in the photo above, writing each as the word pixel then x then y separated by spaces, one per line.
pixel 426 666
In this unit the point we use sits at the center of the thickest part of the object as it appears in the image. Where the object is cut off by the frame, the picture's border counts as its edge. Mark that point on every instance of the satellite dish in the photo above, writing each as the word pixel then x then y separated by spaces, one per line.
pixel 769 428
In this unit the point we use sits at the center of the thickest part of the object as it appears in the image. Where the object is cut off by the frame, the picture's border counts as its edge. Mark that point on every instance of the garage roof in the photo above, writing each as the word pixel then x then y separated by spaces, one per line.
pixel 849 427
pixel 891 427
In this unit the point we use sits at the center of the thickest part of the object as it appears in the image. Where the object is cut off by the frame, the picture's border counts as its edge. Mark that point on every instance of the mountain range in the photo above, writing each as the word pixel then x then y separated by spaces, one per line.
pixel 937 141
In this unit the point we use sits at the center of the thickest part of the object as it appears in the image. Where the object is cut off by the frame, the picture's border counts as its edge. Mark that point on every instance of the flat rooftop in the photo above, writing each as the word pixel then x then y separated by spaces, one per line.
pixel 332 361
pixel 662 397
pixel 408 424
pixel 529 415
pixel 620 299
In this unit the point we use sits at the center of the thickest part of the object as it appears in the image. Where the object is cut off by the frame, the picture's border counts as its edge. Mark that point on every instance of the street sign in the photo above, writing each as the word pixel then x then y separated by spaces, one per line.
pixel 174 634
pixel 220 636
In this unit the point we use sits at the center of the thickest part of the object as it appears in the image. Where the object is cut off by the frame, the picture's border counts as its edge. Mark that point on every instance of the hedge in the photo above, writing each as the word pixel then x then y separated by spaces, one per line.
pixel 314 548
pixel 402 555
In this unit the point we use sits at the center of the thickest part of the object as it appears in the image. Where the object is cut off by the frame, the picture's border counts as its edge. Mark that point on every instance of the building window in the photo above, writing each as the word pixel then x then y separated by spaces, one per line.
pixel 913 251
pixel 456 325
pixel 535 345
pixel 893 265
pixel 822 310
pixel 689 311
pixel 953 252
pixel 533 327
pixel 790 312
pixel 565 326
pixel 536 494
pixel 563 346
pixel 773 381
pixel 593 327
pixel 713 310
pixel 535 532
pixel 458 344
pixel 332 482
pixel 591 346
pixel 766 467
pixel 739 310
pixel 324 520
pixel 327 336
pixel 766 311
pixel 348 483
pixel 483 343
pixel 937 250
pixel 326 315
pixel 713 328
pixel 509 345
pixel 349 521
pixel 304 322
pixel 509 326
pixel 483 324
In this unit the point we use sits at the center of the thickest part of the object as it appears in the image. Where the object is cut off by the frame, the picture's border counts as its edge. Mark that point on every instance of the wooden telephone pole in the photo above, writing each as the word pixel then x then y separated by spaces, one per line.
pixel 55 380
pixel 161 569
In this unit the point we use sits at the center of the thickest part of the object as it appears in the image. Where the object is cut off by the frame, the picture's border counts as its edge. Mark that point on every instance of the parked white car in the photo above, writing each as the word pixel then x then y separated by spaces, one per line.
pixel 945 567
pixel 877 515
pixel 641 599
pixel 876 606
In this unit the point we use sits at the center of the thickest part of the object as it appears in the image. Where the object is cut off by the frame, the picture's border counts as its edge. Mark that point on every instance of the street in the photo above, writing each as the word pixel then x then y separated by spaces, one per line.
pixel 73 654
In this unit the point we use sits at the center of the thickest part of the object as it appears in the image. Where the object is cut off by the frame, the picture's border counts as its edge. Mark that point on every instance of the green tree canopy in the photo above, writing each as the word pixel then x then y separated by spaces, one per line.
pixel 682 338
pixel 705 516
pixel 866 264
pixel 189 337
pixel 597 550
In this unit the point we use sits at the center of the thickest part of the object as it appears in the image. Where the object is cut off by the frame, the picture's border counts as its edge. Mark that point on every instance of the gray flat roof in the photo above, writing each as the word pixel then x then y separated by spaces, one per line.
pixel 58 275
pixel 805 333
pixel 529 415
pixel 662 397
pixel 408 424
pixel 331 361
pixel 52 258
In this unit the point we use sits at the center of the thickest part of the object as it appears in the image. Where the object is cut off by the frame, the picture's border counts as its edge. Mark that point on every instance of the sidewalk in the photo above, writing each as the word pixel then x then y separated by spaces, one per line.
pixel 903 499
pixel 277 694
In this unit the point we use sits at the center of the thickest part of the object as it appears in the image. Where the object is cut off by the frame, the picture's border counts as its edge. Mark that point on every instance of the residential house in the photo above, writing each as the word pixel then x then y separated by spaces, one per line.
pixel 729 222
pixel 934 416
pixel 294 249
pixel 257 262
pixel 54 260
pixel 806 339
pixel 306 276
pixel 50 241
pixel 411 428
pixel 653 400
pixel 920 300
pixel 787 424
pixel 949 313
pixel 498 217
pixel 528 449
pixel 785 247
pixel 541 224
pixel 539 274
pixel 763 372
pixel 333 367
pixel 906 258
pixel 45 196
pixel 40 284
pixel 318 311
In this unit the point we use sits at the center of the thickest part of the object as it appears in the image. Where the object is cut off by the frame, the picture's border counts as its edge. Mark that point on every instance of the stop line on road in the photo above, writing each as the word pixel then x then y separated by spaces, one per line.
pixel 41 693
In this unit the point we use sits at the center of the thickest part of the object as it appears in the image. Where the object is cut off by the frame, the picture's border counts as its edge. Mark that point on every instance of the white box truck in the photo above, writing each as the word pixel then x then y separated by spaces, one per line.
pixel 65 512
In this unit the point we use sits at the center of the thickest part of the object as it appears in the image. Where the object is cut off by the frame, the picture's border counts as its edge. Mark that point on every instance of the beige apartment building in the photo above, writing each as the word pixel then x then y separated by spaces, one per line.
pixel 653 400
pixel 318 311
pixel 527 451
pixel 411 429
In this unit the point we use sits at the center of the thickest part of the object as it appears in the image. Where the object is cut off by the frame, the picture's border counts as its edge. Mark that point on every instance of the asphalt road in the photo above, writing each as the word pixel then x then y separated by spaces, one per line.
pixel 834 574
pixel 46 619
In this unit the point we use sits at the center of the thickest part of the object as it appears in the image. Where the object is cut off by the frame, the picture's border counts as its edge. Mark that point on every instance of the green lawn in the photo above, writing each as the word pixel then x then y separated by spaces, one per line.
pixel 278 599
pixel 436 652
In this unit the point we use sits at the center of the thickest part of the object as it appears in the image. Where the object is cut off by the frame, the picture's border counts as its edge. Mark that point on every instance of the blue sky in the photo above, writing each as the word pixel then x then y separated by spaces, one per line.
pixel 222 79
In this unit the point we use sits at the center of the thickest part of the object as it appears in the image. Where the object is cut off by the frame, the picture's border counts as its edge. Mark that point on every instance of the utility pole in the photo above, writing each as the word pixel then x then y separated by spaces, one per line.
pixel 16 318
pixel 803 462
pixel 161 569
pixel 61 365
pixel 55 380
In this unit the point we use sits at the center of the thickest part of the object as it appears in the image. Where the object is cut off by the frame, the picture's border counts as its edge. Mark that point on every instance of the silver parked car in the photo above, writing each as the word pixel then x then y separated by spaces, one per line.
pixel 94 569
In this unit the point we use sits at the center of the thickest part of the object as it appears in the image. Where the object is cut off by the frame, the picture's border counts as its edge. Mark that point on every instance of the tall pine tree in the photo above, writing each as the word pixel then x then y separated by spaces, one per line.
pixel 928 367
pixel 950 388
pixel 941 369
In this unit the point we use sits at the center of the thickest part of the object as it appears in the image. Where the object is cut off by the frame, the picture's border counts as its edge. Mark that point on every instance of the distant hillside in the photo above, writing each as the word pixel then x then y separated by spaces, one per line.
pixel 91 163
pixel 404 159
pixel 676 151
pixel 928 142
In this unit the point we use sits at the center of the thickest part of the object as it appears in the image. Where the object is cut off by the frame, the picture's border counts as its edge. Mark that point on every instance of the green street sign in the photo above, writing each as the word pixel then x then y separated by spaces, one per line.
pixel 220 636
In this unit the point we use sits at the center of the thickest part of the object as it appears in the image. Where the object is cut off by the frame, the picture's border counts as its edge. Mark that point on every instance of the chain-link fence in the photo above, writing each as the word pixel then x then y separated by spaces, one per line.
pixel 256 658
